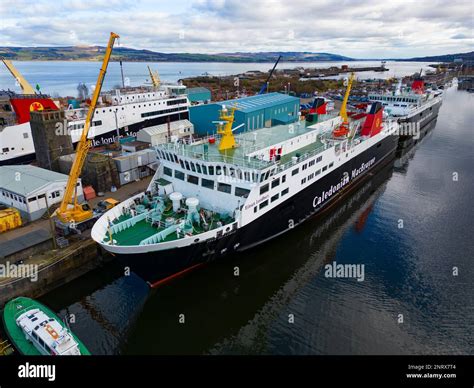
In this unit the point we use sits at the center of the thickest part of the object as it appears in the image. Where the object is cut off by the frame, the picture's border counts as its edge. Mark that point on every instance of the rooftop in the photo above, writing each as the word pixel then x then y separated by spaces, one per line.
pixel 163 128
pixel 25 179
pixel 260 101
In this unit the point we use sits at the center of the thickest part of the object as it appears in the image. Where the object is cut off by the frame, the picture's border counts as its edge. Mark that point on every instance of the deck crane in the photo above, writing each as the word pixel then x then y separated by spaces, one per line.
pixel 155 78
pixel 24 84
pixel 72 215
pixel 343 129
pixel 265 85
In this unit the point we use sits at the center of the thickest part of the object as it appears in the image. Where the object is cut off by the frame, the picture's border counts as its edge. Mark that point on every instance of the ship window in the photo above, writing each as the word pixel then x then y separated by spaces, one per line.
pixel 255 209
pixel 295 171
pixel 325 168
pixel 246 176
pixel 331 164
pixel 224 187
pixel 311 163
pixel 305 166
pixel 211 170
pixel 179 174
pixel 303 181
pixel 318 159
pixel 284 192
pixel 218 170
pixel 198 168
pixel 193 167
pixel 175 158
pixel 275 183
pixel 240 192
pixel 5 149
pixel 181 163
pixel 35 336
pixel 193 179
pixel 275 197
pixel 204 169
pixel 41 342
pixel 187 165
pixel 207 183
pixel 263 204
pixel 167 171
pixel 283 179
pixel 263 189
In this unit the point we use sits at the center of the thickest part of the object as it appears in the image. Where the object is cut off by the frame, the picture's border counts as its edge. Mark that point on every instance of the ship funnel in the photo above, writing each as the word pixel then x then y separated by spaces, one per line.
pixel 176 199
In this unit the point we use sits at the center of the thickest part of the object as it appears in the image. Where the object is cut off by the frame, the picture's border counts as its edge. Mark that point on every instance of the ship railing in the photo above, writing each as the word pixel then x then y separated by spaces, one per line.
pixel 183 150
pixel 303 157
pixel 128 223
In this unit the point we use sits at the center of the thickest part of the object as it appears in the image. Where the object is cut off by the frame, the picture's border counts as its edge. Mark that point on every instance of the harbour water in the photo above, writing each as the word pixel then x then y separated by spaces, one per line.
pixel 409 301
pixel 61 78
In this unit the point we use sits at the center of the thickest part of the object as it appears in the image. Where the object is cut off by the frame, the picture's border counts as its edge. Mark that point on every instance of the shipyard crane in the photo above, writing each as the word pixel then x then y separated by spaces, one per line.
pixel 343 129
pixel 70 213
pixel 26 88
pixel 155 78
pixel 265 85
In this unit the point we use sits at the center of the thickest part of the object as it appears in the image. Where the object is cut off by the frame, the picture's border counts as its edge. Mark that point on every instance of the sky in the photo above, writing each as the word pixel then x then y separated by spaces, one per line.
pixel 354 28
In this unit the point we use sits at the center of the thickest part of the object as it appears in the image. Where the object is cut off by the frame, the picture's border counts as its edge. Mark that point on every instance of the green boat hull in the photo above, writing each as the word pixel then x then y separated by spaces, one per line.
pixel 18 306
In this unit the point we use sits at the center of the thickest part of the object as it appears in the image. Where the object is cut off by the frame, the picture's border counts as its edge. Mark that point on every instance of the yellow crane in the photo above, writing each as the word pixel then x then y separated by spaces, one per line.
pixel 24 84
pixel 155 78
pixel 343 129
pixel 70 212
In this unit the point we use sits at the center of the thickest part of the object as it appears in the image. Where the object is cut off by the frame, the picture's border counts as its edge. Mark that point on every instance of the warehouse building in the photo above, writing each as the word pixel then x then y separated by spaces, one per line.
pixel 264 110
pixel 158 134
pixel 32 189
pixel 198 95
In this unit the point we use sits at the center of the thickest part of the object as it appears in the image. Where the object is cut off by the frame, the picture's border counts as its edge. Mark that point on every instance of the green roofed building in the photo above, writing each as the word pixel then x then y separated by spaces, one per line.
pixel 264 110
pixel 199 95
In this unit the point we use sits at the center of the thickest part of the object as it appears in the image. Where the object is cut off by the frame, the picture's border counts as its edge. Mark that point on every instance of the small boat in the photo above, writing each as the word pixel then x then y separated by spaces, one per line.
pixel 35 330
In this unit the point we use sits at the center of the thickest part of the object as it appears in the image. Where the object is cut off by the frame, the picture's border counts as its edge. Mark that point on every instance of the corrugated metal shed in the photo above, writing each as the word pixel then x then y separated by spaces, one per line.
pixel 260 101
pixel 26 179
pixel 254 112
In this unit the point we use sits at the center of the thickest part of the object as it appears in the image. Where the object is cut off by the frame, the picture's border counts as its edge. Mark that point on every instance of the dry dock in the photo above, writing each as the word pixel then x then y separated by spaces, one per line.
pixel 51 267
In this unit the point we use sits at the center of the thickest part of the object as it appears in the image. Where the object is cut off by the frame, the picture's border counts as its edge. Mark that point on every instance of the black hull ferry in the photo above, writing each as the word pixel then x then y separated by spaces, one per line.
pixel 226 194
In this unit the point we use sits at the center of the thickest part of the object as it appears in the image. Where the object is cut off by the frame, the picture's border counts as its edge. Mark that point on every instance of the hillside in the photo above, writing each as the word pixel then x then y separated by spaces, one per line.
pixel 94 53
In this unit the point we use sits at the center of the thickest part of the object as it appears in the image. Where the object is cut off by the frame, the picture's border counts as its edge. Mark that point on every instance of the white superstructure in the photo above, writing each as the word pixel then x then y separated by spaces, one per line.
pixel 123 111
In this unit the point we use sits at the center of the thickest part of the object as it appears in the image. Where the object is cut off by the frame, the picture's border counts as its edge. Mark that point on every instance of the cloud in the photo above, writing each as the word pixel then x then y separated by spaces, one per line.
pixel 355 28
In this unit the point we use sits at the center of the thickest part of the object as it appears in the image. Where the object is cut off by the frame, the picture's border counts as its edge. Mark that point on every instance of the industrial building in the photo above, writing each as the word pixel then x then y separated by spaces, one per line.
pixel 198 95
pixel 32 189
pixel 158 134
pixel 263 110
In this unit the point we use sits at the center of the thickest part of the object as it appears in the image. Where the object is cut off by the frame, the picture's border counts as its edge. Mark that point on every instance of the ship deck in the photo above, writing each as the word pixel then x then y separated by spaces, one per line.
pixel 144 229
pixel 248 142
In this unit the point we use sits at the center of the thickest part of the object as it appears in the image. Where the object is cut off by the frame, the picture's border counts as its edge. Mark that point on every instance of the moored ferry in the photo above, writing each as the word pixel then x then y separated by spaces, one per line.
pixel 411 105
pixel 121 112
pixel 229 193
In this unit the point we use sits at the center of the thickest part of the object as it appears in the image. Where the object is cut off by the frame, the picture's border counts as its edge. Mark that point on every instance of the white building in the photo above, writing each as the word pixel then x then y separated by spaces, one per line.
pixel 32 189
pixel 158 134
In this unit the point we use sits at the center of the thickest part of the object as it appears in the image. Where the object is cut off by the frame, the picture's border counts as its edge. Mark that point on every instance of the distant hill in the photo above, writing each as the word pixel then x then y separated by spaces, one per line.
pixel 442 58
pixel 94 53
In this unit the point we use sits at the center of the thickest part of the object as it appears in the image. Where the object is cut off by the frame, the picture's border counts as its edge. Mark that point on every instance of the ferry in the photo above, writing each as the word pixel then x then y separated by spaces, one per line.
pixel 35 330
pixel 229 193
pixel 121 112
pixel 413 105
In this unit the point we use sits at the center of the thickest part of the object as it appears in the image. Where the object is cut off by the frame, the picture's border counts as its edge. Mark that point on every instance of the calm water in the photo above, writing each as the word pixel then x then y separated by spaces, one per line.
pixel 407 271
pixel 62 78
